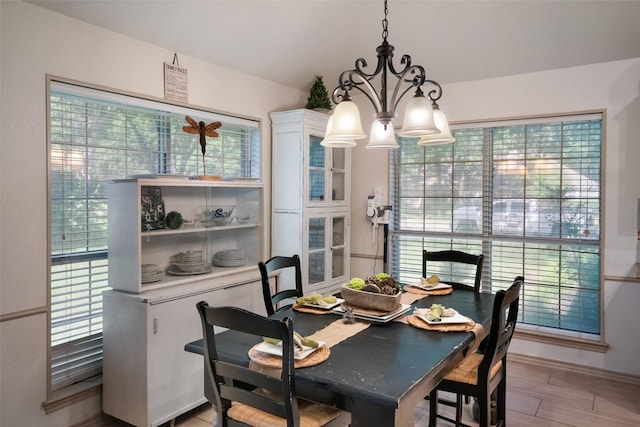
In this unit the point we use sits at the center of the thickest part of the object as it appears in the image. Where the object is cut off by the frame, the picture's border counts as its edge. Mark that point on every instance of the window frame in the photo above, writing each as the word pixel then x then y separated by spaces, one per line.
pixel 538 333
pixel 251 164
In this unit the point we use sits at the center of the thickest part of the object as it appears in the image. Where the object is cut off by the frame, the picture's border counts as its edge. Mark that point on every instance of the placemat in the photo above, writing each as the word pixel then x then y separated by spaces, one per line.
pixel 416 321
pixel 272 361
pixel 413 290
pixel 331 335
pixel 312 310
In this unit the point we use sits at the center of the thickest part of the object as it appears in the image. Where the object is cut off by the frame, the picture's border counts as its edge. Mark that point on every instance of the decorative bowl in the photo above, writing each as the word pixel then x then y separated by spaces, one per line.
pixel 216 215
pixel 370 300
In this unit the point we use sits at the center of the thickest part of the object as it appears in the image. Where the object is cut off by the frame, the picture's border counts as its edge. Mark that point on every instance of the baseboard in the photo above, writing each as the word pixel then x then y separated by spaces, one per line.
pixel 98 420
pixel 575 368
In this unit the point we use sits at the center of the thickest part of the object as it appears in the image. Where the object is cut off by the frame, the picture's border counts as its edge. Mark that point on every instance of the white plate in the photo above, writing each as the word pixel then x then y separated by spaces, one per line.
pixel 374 318
pixel 190 273
pixel 457 318
pixel 325 307
pixel 153 278
pixel 440 285
pixel 229 262
pixel 230 254
pixel 276 349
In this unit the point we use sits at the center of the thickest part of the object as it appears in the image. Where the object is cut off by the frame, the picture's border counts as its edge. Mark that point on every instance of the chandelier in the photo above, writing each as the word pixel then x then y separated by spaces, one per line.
pixel 422 116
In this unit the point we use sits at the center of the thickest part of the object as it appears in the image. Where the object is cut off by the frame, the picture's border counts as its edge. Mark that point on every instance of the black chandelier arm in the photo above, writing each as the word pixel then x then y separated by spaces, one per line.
pixel 354 79
pixel 414 82
pixel 436 93
pixel 361 64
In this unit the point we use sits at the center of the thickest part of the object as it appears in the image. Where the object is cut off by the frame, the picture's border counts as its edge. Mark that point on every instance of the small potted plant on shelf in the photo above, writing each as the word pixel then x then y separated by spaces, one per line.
pixel 318 99
pixel 174 220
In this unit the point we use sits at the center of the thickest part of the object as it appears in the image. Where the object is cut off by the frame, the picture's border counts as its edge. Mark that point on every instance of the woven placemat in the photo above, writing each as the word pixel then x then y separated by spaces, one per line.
pixel 413 290
pixel 416 321
pixel 272 361
pixel 312 310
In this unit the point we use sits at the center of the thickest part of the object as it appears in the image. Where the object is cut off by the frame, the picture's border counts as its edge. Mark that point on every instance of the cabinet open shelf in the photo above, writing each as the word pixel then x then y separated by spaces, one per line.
pixel 197 229
pixel 138 236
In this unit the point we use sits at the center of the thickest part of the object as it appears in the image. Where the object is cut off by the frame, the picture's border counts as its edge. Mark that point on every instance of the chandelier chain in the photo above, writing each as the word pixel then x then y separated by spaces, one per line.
pixel 385 22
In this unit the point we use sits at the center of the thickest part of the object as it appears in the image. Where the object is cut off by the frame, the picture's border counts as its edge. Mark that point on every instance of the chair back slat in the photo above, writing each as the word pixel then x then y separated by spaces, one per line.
pixel 274 264
pixel 503 325
pixel 450 257
pixel 247 375
pixel 258 401
pixel 226 382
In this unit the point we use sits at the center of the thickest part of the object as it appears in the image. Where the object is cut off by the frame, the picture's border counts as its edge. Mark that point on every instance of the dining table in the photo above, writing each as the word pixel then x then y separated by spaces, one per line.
pixel 381 372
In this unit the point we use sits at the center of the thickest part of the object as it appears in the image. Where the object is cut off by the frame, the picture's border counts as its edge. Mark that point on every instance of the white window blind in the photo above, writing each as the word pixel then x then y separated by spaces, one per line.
pixel 526 195
pixel 96 136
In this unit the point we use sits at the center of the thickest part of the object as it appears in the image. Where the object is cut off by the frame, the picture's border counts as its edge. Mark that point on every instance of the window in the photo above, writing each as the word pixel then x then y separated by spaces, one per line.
pixel 96 136
pixel 527 195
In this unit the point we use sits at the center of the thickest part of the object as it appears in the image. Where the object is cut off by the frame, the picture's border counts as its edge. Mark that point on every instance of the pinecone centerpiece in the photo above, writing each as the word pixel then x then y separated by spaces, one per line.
pixel 381 283
pixel 379 292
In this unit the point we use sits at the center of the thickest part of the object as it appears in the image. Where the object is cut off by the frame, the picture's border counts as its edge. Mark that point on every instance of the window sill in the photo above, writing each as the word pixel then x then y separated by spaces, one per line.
pixel 72 394
pixel 546 337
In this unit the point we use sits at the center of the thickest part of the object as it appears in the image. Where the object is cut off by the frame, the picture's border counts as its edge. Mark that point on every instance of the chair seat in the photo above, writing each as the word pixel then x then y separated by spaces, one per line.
pixel 311 415
pixel 467 370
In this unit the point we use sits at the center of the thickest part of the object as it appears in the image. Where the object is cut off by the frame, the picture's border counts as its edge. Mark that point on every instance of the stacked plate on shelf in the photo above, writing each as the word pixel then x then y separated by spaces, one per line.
pixel 151 273
pixel 230 258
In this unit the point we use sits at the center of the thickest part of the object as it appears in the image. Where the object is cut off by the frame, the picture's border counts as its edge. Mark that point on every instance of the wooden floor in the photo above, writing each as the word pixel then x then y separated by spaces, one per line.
pixel 536 396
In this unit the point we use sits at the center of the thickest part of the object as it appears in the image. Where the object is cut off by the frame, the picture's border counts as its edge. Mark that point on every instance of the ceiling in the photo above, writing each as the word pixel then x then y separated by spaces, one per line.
pixel 290 42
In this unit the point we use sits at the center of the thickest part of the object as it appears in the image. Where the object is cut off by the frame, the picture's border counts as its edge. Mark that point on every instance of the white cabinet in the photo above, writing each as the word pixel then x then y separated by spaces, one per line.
pixel 310 199
pixel 222 216
pixel 148 378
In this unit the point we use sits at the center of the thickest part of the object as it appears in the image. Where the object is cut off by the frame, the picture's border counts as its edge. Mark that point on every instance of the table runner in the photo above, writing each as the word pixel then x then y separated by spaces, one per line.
pixel 411 297
pixel 338 331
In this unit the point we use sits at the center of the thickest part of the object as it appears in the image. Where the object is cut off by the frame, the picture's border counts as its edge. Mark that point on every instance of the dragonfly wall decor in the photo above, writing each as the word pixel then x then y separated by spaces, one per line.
pixel 203 130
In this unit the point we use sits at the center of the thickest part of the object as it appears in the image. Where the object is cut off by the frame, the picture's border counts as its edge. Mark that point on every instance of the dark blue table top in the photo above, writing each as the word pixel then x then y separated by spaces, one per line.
pixel 378 365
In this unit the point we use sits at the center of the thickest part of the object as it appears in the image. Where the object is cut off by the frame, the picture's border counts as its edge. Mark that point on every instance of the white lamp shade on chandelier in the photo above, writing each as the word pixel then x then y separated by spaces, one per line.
pixel 333 141
pixel 345 123
pixel 444 133
pixel 382 136
pixel 418 118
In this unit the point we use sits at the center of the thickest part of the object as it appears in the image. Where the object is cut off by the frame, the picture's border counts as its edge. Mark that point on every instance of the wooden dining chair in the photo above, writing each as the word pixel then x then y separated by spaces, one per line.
pixel 483 371
pixel 242 396
pixel 444 262
pixel 281 264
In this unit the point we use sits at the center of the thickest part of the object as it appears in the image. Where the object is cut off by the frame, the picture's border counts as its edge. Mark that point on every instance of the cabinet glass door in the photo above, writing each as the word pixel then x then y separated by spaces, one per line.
pixel 317 250
pixel 337 247
pixel 317 170
pixel 338 170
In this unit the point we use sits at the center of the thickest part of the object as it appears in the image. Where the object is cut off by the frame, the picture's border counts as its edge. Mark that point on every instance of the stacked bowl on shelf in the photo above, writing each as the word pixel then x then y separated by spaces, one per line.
pixel 230 258
pixel 189 262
